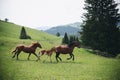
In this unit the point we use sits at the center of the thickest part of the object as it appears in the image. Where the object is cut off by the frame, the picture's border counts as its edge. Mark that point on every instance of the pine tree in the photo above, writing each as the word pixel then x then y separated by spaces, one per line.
pixel 6 19
pixel 71 38
pixel 77 39
pixel 65 39
pixel 100 29
pixel 23 34
pixel 57 34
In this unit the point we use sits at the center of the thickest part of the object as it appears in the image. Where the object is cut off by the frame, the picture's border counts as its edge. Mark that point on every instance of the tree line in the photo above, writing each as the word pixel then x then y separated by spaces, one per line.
pixel 68 39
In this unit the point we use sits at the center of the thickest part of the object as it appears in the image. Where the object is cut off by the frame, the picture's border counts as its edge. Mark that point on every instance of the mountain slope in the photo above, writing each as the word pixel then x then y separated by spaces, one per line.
pixel 70 29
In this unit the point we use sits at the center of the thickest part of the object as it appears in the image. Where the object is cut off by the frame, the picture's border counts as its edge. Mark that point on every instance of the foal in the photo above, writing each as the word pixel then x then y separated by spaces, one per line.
pixel 47 52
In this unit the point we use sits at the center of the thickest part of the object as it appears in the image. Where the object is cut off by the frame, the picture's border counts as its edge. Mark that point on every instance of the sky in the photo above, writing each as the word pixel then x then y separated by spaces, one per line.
pixel 42 13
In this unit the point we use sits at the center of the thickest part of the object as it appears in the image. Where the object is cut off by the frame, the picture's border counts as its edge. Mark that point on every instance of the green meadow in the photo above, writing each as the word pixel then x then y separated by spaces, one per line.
pixel 87 65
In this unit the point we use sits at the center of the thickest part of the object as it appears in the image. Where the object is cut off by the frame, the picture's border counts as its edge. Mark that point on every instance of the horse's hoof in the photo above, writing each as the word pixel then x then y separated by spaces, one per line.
pixel 68 58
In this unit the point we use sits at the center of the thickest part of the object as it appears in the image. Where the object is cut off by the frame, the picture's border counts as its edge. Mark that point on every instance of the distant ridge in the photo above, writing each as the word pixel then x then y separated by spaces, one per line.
pixel 70 29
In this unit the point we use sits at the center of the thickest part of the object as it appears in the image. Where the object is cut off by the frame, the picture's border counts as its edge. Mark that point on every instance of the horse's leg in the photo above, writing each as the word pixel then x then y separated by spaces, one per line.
pixel 50 59
pixel 57 56
pixel 50 54
pixel 29 56
pixel 36 56
pixel 73 56
pixel 14 54
pixel 18 54
pixel 46 58
pixel 70 56
pixel 40 54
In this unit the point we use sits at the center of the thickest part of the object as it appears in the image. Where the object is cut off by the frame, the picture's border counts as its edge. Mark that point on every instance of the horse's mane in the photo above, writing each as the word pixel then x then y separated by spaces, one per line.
pixel 32 44
pixel 70 44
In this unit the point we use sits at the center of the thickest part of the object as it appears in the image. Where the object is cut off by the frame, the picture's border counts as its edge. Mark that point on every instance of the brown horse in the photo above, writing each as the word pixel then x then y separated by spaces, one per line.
pixel 66 49
pixel 47 52
pixel 27 49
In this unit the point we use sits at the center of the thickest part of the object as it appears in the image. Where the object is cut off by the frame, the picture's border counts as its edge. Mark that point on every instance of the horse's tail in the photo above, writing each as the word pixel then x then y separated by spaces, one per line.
pixel 14 50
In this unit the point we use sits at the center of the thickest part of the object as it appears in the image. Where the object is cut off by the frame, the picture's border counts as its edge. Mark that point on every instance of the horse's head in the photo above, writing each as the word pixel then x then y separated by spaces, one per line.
pixel 37 44
pixel 75 44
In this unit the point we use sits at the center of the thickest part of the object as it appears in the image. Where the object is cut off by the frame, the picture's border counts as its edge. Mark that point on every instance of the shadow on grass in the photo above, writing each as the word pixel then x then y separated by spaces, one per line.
pixel 71 62
pixel 47 62
pixel 23 60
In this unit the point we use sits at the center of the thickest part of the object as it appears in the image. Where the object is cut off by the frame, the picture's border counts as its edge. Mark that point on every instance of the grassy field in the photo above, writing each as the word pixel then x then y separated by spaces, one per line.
pixel 87 66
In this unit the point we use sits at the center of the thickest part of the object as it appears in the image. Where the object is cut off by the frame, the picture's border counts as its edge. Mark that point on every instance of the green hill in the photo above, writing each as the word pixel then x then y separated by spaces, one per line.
pixel 87 65
pixel 10 32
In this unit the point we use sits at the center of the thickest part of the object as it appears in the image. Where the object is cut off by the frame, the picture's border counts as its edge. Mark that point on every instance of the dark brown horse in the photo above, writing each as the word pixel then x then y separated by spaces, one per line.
pixel 66 49
pixel 47 52
pixel 27 49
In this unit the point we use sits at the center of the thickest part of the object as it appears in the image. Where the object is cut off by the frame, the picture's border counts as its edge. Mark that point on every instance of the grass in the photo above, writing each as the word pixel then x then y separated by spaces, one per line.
pixel 87 66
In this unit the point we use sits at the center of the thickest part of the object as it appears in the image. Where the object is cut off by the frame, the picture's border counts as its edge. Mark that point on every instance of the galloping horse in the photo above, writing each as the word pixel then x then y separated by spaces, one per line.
pixel 66 49
pixel 47 52
pixel 27 49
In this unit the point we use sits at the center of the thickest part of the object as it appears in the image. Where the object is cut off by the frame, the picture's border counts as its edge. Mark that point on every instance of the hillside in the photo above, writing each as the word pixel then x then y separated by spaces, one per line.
pixel 87 65
pixel 70 29
pixel 11 31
